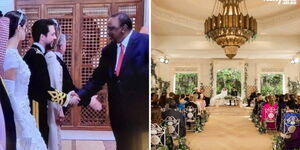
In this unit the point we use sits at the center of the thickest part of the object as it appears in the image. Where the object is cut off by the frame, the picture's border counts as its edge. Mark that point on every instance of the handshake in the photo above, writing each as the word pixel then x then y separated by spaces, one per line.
pixel 94 104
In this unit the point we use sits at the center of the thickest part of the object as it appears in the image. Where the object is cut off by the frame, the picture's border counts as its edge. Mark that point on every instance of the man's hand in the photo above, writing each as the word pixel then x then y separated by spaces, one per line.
pixel 60 117
pixel 74 98
pixel 95 104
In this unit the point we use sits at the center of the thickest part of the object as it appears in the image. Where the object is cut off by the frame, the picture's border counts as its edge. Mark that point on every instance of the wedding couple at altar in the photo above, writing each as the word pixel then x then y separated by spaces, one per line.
pixel 42 78
pixel 220 99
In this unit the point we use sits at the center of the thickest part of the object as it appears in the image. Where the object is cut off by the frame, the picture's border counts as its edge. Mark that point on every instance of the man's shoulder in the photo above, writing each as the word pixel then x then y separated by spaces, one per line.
pixel 140 36
pixel 33 51
pixel 108 49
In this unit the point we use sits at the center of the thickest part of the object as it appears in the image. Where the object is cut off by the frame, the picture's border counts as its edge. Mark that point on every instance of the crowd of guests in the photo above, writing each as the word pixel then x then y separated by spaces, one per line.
pixel 279 113
pixel 176 105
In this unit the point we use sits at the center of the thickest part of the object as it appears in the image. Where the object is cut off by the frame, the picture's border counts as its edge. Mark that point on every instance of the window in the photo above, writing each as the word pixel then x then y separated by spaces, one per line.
pixel 271 84
pixel 185 82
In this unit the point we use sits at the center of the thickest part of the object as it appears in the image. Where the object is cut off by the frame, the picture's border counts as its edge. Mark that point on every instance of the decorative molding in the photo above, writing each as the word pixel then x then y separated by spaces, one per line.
pixel 272 70
pixel 175 18
pixel 198 25
pixel 183 69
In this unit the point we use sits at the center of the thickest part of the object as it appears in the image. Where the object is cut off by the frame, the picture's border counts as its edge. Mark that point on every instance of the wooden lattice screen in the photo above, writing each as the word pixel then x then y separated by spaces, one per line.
pixel 85 24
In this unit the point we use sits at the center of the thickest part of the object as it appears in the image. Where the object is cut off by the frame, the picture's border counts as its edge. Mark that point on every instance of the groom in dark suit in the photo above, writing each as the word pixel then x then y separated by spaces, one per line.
pixel 124 66
pixel 39 88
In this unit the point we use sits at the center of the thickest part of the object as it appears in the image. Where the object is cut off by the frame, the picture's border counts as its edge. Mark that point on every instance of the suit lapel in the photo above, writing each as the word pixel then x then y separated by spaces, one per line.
pixel 114 59
pixel 129 53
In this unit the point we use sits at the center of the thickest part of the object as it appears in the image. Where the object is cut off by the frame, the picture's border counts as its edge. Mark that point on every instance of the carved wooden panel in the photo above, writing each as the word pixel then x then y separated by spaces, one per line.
pixel 33 14
pixel 94 37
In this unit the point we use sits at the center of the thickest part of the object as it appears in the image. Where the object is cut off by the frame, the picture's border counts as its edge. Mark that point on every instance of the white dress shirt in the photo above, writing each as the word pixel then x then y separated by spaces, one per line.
pixel 40 46
pixel 124 43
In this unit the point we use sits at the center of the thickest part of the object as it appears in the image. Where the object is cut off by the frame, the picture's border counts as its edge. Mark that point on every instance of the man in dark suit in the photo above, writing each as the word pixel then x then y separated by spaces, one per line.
pixel 251 97
pixel 177 115
pixel 124 66
pixel 8 114
pixel 39 88
pixel 234 93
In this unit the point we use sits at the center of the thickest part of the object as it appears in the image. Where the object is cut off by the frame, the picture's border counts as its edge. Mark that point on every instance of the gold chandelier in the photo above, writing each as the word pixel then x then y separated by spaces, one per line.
pixel 229 27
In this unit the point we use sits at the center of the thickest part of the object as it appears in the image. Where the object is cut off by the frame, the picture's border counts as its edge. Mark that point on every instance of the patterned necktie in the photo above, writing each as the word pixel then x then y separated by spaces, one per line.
pixel 120 60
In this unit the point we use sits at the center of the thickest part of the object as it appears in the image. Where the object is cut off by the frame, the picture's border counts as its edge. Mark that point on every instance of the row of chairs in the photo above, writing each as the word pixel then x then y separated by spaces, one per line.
pixel 171 127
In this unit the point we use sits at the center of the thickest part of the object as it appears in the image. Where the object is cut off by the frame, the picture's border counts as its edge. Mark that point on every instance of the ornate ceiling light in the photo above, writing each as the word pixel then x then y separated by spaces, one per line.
pixel 230 25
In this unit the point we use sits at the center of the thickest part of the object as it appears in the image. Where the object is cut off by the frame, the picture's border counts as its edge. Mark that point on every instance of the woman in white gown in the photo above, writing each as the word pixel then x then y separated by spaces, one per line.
pixel 16 77
pixel 219 99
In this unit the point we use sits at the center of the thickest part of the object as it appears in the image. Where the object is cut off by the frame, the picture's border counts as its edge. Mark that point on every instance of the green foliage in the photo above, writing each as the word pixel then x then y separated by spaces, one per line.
pixel 271 84
pixel 229 78
pixel 255 118
pixel 182 144
pixel 185 82
pixel 294 86
pixel 278 143
pixel 163 86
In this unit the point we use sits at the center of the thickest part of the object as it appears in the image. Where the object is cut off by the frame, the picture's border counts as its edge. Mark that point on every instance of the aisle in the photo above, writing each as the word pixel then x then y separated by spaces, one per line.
pixel 229 128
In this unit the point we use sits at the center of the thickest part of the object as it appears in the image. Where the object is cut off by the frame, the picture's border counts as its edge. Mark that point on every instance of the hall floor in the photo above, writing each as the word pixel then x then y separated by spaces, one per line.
pixel 229 128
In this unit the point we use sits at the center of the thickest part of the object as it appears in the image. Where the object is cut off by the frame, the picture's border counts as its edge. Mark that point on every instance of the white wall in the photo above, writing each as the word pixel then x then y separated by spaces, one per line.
pixel 7 5
pixel 202 67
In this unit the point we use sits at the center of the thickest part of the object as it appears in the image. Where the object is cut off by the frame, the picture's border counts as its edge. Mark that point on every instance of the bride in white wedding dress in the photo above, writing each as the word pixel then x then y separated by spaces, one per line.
pixel 16 75
pixel 219 99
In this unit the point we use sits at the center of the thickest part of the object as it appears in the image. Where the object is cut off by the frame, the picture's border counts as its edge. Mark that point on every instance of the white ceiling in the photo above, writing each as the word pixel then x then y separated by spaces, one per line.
pixel 177 28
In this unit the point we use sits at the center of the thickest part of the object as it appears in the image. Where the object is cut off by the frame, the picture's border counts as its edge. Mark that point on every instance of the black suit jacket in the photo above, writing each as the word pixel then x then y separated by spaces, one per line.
pixel 8 113
pixel 234 93
pixel 67 85
pixel 177 115
pixel 128 94
pixel 40 89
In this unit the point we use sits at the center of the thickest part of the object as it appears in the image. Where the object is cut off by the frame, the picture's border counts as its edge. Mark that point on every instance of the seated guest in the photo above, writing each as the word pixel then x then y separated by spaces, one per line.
pixel 167 106
pixel 154 99
pixel 172 95
pixel 269 112
pixel 196 91
pixel 281 106
pixel 176 97
pixel 156 113
pixel 177 115
pixel 251 98
pixel 207 99
pixel 298 102
pixel 190 102
pixel 291 127
pixel 259 101
pixel 287 97
pixel 200 102
pixel 163 100
pixel 182 102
